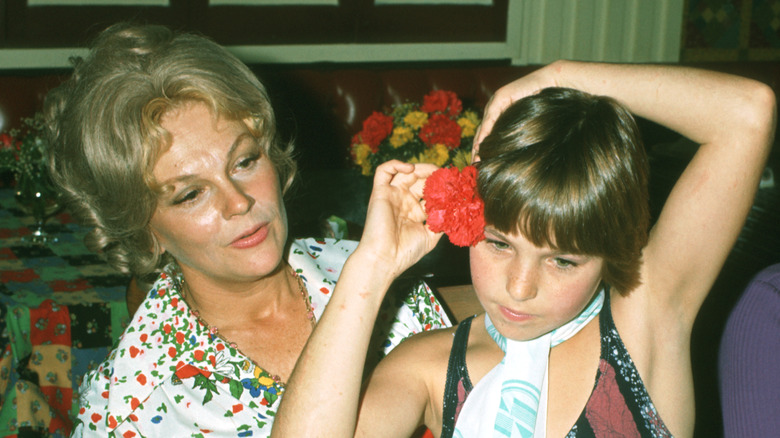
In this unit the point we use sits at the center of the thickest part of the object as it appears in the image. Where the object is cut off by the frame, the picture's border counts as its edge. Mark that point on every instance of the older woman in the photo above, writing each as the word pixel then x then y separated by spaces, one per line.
pixel 165 145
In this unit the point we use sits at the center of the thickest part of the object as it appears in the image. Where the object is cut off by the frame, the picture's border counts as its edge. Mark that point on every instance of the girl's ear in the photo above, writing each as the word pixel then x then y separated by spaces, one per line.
pixel 475 159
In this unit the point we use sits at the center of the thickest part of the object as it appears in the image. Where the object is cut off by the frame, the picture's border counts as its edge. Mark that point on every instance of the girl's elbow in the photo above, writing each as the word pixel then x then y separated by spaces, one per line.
pixel 763 116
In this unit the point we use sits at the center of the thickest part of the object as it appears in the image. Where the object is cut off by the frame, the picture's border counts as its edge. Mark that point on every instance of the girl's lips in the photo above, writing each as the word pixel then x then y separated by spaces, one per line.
pixel 513 316
pixel 252 239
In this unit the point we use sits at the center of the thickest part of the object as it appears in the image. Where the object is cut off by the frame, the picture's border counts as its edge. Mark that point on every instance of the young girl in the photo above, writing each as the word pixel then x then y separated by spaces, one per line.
pixel 588 317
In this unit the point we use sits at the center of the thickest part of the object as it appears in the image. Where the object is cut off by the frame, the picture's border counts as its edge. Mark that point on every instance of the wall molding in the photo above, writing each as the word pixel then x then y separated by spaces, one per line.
pixel 538 32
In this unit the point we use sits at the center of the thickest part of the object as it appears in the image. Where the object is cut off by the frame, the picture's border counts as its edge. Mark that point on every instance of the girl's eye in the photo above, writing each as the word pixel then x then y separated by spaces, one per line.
pixel 497 244
pixel 188 196
pixel 564 263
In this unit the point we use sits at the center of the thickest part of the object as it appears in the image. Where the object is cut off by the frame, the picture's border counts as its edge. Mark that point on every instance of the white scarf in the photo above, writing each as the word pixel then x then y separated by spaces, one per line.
pixel 511 400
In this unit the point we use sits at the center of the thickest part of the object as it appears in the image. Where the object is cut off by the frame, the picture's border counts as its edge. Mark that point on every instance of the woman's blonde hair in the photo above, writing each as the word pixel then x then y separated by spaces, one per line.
pixel 568 170
pixel 104 123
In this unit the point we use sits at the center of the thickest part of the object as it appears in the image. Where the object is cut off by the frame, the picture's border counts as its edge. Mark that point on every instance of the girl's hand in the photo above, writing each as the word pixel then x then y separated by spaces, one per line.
pixel 395 234
pixel 530 84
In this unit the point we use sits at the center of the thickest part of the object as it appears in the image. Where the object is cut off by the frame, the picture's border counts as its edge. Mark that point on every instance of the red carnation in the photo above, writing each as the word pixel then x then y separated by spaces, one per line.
pixel 375 129
pixel 440 129
pixel 442 101
pixel 453 205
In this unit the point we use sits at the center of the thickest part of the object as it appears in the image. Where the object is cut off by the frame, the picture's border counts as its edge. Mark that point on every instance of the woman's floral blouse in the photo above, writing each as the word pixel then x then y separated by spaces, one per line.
pixel 169 377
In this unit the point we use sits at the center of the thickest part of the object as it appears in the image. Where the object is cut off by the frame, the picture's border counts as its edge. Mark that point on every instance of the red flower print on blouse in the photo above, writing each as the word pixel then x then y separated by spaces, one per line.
pixel 606 411
pixel 441 129
pixel 375 129
pixel 453 205
pixel 441 101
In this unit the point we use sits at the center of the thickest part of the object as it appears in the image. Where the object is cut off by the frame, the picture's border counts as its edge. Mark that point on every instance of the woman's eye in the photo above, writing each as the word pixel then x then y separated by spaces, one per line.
pixel 247 162
pixel 188 196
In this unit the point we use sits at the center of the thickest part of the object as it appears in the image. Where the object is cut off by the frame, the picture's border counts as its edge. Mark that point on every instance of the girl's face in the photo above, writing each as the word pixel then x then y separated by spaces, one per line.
pixel 223 217
pixel 529 290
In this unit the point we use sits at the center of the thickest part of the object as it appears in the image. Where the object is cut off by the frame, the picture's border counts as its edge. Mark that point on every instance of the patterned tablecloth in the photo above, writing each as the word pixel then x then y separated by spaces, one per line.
pixel 61 309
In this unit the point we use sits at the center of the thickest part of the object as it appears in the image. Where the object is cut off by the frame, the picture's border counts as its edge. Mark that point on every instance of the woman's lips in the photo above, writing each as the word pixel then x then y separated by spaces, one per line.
pixel 252 239
pixel 513 316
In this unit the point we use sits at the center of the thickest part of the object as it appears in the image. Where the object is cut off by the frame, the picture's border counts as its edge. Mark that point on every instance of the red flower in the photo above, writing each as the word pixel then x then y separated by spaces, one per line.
pixel 453 205
pixel 6 141
pixel 375 129
pixel 440 129
pixel 442 101
pixel 187 371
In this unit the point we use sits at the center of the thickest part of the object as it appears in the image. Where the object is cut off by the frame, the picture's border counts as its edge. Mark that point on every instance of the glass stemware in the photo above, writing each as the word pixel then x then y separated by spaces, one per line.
pixel 37 196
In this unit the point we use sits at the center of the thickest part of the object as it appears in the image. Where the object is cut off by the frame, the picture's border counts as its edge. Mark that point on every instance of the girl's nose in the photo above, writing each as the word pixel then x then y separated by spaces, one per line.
pixel 522 281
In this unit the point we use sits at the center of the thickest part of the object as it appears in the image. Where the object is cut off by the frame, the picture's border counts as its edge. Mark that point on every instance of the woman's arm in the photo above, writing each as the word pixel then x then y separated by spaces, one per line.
pixel 319 402
pixel 732 118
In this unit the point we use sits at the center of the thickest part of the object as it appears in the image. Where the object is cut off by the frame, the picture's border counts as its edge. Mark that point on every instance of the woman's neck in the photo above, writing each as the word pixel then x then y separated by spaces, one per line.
pixel 233 303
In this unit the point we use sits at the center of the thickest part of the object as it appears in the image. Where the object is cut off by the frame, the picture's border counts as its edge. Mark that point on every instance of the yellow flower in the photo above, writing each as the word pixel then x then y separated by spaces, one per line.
pixel 265 381
pixel 365 168
pixel 401 136
pixel 468 124
pixel 462 158
pixel 362 151
pixel 438 155
pixel 415 119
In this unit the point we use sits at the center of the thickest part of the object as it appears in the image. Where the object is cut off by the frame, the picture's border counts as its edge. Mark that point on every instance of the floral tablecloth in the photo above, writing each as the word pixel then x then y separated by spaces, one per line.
pixel 61 309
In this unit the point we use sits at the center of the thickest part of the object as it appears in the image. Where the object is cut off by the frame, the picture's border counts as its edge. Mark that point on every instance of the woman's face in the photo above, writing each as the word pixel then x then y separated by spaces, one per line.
pixel 529 290
pixel 223 216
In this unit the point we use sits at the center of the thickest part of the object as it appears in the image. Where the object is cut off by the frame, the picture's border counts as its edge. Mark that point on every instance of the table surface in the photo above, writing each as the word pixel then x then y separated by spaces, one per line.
pixel 61 310
pixel 64 271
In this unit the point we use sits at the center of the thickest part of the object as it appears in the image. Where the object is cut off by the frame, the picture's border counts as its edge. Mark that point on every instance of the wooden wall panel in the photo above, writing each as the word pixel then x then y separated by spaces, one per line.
pixel 258 23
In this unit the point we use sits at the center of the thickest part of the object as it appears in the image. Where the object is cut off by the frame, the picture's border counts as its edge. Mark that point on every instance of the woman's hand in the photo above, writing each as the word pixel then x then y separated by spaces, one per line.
pixel 530 84
pixel 395 235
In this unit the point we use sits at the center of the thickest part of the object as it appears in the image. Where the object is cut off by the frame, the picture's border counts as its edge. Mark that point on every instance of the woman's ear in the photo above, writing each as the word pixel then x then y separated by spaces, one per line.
pixel 475 158
pixel 156 245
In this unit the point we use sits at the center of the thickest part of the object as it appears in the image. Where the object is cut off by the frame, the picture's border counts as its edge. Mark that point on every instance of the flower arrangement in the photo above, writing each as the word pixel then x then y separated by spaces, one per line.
pixel 23 152
pixel 454 206
pixel 439 131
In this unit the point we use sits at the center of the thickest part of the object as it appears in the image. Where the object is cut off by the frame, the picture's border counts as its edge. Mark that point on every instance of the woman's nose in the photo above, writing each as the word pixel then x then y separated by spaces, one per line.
pixel 237 200
pixel 522 282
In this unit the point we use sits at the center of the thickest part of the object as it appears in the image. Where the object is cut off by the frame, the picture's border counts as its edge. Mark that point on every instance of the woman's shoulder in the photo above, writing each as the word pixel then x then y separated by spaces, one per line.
pixel 322 247
pixel 436 344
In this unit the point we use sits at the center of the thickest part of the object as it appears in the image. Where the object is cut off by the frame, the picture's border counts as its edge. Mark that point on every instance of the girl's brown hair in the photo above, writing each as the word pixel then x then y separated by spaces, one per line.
pixel 568 170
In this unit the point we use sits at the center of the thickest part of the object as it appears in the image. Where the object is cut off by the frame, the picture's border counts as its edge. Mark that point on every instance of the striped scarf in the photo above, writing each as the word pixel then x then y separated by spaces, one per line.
pixel 511 400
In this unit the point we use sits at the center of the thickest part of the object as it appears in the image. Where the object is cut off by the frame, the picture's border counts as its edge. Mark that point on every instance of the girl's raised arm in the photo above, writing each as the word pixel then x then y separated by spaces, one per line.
pixel 324 389
pixel 732 118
